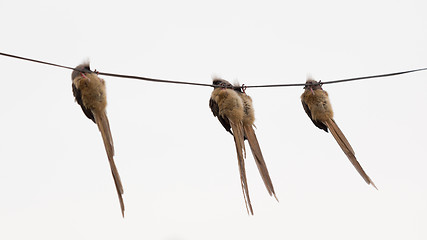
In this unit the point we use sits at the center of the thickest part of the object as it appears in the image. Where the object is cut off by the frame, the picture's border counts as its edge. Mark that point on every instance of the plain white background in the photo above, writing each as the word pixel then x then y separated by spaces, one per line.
pixel 177 164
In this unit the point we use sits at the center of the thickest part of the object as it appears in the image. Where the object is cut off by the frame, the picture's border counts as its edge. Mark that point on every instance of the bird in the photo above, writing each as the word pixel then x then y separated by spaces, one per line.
pixel 90 93
pixel 235 112
pixel 318 107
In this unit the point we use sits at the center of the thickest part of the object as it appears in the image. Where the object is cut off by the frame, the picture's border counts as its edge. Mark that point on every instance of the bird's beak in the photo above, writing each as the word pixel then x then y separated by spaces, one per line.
pixel 84 76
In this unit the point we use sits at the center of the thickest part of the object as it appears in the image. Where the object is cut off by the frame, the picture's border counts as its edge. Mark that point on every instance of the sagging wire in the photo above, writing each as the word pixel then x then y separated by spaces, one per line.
pixel 211 85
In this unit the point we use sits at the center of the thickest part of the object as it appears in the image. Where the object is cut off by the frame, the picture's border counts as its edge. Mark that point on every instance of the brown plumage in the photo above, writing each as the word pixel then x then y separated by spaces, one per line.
pixel 318 108
pixel 234 110
pixel 89 92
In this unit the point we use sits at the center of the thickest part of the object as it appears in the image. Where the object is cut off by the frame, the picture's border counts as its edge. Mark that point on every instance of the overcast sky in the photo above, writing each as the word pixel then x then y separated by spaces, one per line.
pixel 177 163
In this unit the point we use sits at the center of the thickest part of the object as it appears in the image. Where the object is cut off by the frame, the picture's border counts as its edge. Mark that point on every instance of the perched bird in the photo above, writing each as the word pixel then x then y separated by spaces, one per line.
pixel 318 108
pixel 89 92
pixel 234 110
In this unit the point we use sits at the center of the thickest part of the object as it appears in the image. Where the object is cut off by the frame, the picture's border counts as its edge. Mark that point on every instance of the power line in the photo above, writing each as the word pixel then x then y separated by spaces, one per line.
pixel 339 81
pixel 153 79
pixel 33 60
pixel 107 74
pixel 375 76
pixel 210 85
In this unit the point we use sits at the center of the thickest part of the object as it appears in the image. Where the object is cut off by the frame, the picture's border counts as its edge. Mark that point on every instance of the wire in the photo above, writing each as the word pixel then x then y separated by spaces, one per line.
pixel 374 76
pixel 153 79
pixel 339 81
pixel 210 85
pixel 107 74
pixel 33 60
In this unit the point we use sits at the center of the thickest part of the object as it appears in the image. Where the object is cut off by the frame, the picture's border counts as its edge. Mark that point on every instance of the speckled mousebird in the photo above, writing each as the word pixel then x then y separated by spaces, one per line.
pixel 234 110
pixel 89 92
pixel 318 108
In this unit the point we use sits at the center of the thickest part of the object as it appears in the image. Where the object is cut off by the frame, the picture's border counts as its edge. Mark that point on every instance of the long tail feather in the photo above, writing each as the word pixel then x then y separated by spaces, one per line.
pixel 104 127
pixel 348 150
pixel 239 141
pixel 342 137
pixel 259 159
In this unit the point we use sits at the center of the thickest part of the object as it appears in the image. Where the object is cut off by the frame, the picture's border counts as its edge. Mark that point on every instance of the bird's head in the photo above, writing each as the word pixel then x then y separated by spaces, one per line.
pixel 82 68
pixel 221 83
pixel 312 85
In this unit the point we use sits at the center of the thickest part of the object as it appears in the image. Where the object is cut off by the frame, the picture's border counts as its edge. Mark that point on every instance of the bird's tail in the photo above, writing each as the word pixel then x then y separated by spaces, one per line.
pixel 239 141
pixel 259 159
pixel 104 127
pixel 348 150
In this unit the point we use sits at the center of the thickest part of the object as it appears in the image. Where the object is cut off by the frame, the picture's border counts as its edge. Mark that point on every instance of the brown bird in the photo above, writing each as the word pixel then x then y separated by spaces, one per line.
pixel 318 108
pixel 234 110
pixel 89 92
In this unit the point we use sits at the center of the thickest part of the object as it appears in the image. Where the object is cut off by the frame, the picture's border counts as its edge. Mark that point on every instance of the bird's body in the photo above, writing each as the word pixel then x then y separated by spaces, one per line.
pixel 318 107
pixel 248 109
pixel 90 93
pixel 234 110
pixel 230 105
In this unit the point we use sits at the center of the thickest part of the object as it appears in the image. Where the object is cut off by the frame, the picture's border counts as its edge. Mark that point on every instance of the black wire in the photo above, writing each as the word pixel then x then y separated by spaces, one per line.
pixel 276 85
pixel 153 79
pixel 374 76
pixel 108 74
pixel 210 85
pixel 37 61
pixel 339 81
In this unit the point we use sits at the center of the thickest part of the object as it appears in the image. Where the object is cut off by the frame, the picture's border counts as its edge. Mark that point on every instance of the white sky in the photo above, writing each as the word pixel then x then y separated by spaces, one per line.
pixel 177 163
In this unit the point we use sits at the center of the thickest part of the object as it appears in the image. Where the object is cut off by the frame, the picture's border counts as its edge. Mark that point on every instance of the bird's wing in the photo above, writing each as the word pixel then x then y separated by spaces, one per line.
pixel 78 96
pixel 317 123
pixel 215 110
